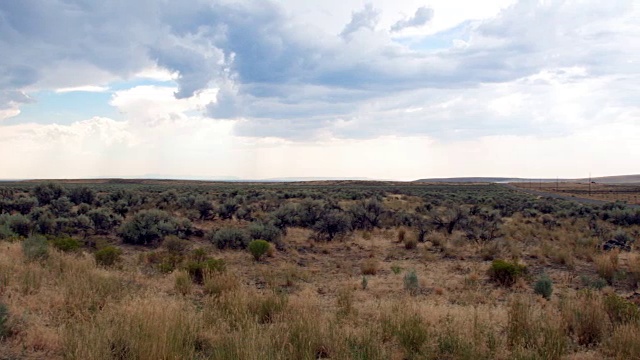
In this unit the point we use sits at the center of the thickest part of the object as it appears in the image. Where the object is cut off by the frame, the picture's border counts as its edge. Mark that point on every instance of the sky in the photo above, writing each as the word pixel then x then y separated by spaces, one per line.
pixel 387 89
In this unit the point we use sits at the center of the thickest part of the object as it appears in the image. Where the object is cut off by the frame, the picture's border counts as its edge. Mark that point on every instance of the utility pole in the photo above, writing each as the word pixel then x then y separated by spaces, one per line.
pixel 589 183
pixel 557 183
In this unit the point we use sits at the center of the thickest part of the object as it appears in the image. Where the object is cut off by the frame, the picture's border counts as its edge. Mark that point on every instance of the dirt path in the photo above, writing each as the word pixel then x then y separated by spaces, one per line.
pixel 564 197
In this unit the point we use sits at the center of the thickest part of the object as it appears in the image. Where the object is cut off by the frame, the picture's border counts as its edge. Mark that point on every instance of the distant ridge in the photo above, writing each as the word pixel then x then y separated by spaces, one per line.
pixel 619 179
pixel 469 180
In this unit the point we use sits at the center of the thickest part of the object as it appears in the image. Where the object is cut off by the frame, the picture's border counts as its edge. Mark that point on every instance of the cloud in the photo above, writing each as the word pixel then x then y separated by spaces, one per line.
pixel 422 16
pixel 255 61
pixel 366 18
pixel 87 88
pixel 228 103
pixel 10 102
pixel 147 105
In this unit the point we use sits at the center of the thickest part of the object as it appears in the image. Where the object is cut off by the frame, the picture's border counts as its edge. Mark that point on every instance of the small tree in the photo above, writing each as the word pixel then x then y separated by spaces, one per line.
pixel 258 248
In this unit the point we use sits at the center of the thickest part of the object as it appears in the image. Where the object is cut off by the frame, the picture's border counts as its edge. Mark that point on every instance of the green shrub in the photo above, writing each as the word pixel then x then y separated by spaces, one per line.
pixel 620 310
pixel 66 244
pixel 6 233
pixel 258 248
pixel 593 283
pixel 35 248
pixel 197 269
pixel 229 238
pixel 164 261
pixel 107 256
pixel 396 269
pixel 199 254
pixel 506 273
pixel 544 287
pixel 411 283
pixel 4 319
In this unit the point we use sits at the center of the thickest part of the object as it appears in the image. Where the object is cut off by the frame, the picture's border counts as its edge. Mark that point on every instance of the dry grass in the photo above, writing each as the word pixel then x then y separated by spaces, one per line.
pixel 607 266
pixel 308 302
pixel 629 193
pixel 369 266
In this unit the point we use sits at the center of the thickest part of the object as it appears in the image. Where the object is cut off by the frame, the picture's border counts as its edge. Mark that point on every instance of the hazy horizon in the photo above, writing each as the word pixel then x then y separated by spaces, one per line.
pixel 257 90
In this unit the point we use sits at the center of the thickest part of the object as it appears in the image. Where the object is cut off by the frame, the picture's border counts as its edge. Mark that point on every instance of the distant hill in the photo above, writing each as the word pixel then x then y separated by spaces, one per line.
pixel 469 180
pixel 621 179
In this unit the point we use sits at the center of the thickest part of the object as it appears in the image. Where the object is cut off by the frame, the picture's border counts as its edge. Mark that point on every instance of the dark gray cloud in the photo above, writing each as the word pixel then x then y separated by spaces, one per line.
pixel 422 16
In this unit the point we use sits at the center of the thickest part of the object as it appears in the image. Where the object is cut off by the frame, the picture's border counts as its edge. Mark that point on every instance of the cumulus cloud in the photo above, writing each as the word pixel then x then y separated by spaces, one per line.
pixel 422 16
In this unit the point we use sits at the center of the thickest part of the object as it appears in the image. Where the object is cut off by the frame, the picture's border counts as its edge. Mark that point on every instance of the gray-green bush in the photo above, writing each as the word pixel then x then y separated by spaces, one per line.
pixel 148 227
pixel 544 287
pixel 229 238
